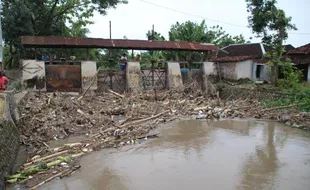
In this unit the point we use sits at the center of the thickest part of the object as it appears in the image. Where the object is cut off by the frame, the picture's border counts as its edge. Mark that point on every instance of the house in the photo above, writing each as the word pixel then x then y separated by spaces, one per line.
pixel 301 58
pixel 238 61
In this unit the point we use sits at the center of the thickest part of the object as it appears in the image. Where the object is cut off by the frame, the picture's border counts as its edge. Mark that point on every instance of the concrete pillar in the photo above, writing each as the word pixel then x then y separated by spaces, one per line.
pixel 208 68
pixel 174 77
pixel 133 76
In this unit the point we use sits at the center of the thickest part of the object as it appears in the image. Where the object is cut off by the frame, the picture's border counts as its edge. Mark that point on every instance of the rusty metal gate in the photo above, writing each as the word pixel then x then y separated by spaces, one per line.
pixel 153 78
pixel 63 78
pixel 113 79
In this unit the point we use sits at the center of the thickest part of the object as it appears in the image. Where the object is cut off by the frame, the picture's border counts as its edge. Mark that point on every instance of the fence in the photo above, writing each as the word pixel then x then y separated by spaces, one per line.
pixel 113 79
pixel 153 78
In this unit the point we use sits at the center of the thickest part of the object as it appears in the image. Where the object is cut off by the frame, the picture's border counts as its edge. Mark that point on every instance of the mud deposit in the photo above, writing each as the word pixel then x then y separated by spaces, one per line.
pixel 200 154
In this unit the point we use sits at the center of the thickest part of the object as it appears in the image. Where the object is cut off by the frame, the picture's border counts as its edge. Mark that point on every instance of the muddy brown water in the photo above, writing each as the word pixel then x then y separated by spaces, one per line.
pixel 196 154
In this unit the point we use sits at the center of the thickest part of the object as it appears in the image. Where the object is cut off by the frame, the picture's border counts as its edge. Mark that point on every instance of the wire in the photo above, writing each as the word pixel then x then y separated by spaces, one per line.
pixel 228 23
pixel 171 9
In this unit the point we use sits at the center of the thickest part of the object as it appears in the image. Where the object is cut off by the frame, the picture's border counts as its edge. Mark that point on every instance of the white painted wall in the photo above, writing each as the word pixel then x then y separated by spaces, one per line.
pixel 209 68
pixel 32 68
pixel 89 68
pixel 174 75
pixel 133 76
pixel 244 69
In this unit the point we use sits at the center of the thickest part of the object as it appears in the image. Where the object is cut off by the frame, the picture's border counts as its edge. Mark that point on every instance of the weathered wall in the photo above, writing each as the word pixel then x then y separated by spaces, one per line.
pixel 9 135
pixel 244 69
pixel 209 68
pixel 33 73
pixel 174 77
pixel 133 76
pixel 89 68
pixel 228 70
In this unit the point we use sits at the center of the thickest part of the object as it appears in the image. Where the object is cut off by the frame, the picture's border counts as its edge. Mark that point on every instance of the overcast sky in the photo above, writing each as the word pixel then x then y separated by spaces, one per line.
pixel 136 18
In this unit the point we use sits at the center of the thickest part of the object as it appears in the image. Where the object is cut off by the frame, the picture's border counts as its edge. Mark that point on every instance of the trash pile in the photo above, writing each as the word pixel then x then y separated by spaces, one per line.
pixel 114 120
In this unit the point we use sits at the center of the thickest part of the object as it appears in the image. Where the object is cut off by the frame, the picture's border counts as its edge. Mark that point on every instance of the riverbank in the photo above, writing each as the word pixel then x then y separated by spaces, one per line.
pixel 48 117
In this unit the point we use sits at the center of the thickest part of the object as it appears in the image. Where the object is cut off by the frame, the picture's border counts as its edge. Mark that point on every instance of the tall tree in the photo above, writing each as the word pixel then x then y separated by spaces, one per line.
pixel 269 22
pixel 199 32
pixel 157 36
pixel 45 17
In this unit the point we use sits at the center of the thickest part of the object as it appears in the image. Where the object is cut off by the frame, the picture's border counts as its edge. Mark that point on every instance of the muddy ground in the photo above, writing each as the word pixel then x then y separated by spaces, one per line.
pixel 47 117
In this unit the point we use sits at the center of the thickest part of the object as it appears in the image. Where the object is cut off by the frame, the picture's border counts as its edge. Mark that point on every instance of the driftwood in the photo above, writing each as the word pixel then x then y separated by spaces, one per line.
pixel 280 107
pixel 116 94
pixel 91 83
pixel 145 119
pixel 45 158
pixel 50 179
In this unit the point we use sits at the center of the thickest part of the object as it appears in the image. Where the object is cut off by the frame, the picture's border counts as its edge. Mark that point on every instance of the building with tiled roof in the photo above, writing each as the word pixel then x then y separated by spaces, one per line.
pixel 238 61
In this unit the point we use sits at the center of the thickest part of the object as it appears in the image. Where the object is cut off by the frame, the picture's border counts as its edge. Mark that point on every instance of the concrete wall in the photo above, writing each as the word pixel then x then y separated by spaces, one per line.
pixel 133 76
pixel 228 70
pixel 32 69
pixel 174 77
pixel 209 68
pixel 9 136
pixel 89 68
pixel 244 69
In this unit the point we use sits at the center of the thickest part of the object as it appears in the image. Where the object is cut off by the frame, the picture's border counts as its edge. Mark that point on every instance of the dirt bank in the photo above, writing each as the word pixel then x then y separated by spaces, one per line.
pixel 49 117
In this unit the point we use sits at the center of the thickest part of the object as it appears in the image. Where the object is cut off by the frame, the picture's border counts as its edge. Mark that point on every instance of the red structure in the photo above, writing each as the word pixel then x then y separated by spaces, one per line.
pixel 70 42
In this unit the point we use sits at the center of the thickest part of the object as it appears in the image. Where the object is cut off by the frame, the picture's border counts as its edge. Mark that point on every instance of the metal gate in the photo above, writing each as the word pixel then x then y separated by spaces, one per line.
pixel 113 79
pixel 153 78
pixel 63 78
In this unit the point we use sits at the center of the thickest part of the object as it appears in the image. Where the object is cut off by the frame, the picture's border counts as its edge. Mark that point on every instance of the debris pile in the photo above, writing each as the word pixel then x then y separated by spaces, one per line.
pixel 114 120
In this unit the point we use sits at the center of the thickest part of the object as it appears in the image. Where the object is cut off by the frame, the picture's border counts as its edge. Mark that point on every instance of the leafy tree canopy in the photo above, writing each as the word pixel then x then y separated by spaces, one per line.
pixel 46 17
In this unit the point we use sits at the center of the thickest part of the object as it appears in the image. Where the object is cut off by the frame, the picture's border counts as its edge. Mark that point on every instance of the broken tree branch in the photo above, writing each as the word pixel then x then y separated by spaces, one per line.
pixel 45 158
pixel 116 94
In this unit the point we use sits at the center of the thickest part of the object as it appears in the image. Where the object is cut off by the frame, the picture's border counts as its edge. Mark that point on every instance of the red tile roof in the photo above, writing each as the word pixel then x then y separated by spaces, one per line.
pixel 305 50
pixel 239 52
pixel 232 58
pixel 300 59
pixel 242 52
pixel 69 42
pixel 253 50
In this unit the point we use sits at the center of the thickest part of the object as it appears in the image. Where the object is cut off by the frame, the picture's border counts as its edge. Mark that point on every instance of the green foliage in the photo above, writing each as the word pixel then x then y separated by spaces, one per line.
pixel 16 86
pixel 300 98
pixel 292 78
pixel 198 32
pixel 45 18
pixel 269 22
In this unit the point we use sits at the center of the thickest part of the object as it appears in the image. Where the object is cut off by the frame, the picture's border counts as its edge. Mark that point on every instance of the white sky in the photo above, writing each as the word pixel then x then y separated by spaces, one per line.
pixel 136 18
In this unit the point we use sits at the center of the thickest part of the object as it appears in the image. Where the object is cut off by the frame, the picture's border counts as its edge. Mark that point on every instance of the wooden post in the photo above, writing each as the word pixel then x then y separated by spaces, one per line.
pixel 110 28
pixel 87 56
pixel 111 81
pixel 152 70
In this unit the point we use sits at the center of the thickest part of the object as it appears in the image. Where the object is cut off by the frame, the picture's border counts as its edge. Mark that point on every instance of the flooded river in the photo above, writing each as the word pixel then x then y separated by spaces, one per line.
pixel 192 154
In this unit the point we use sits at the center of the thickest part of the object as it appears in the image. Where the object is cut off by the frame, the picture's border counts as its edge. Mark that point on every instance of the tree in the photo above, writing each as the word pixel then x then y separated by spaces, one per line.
pixel 45 17
pixel 193 32
pixel 269 22
pixel 157 36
